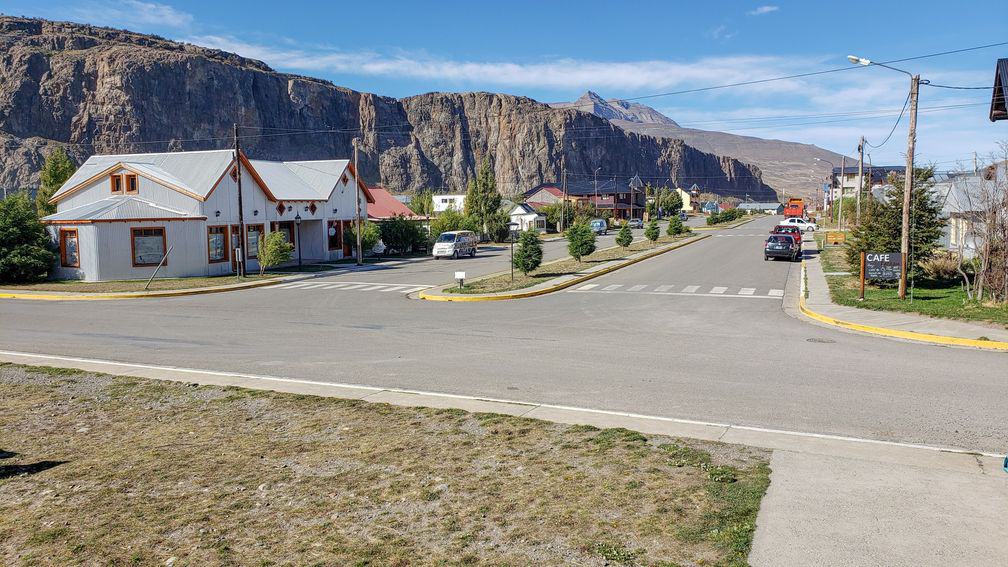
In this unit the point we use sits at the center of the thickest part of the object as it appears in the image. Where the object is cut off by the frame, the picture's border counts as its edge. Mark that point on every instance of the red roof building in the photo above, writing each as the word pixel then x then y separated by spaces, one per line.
pixel 386 206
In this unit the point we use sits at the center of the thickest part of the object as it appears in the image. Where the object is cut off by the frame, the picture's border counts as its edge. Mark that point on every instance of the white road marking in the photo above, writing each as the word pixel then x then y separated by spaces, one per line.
pixel 718 289
pixel 588 286
pixel 531 405
pixel 291 285
pixel 612 287
pixel 333 286
pixel 373 288
pixel 747 291
pixel 690 289
pixel 355 286
pixel 636 288
pixel 663 288
pixel 414 289
pixel 776 292
pixel 314 286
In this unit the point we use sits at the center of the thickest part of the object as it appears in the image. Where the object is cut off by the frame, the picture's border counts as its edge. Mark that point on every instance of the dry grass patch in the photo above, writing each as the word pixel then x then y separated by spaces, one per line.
pixel 110 470
pixel 121 286
pixel 557 268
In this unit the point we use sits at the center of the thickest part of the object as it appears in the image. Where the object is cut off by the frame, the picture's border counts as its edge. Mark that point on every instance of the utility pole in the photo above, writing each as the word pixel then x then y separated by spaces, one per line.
pixel 975 170
pixel 843 166
pixel 242 235
pixel 860 176
pixel 563 205
pixel 357 194
pixel 596 186
pixel 908 184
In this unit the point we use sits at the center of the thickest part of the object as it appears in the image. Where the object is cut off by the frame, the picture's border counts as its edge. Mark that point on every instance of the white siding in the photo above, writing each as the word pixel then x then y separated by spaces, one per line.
pixel 148 190
pixel 88 269
pixel 187 240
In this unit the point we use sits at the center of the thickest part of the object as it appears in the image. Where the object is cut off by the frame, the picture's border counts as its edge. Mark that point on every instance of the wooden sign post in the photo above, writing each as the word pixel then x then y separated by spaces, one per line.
pixel 861 297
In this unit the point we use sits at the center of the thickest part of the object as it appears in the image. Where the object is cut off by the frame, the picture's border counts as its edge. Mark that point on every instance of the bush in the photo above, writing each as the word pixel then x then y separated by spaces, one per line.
pixel 942 266
pixel 580 240
pixel 675 227
pixel 274 250
pixel 26 251
pixel 651 232
pixel 451 220
pixel 624 237
pixel 400 234
pixel 370 234
pixel 529 253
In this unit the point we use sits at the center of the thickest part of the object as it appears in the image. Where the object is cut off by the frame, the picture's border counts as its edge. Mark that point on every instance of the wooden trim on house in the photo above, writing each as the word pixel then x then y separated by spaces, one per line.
pixel 115 184
pixel 251 171
pixel 130 179
pixel 164 245
pixel 337 225
pixel 363 186
pixel 63 234
pixel 227 244
pixel 249 252
pixel 97 221
pixel 108 172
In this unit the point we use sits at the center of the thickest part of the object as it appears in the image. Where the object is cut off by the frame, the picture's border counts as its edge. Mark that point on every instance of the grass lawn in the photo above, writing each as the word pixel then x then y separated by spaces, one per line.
pixel 935 299
pixel 97 469
pixel 555 269
pixel 159 284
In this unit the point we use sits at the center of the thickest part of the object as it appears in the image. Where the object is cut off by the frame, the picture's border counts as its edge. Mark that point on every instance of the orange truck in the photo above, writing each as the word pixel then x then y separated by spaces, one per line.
pixel 794 208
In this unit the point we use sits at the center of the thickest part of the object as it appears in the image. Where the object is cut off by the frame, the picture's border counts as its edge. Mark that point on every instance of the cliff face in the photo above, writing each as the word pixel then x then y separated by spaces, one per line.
pixel 97 90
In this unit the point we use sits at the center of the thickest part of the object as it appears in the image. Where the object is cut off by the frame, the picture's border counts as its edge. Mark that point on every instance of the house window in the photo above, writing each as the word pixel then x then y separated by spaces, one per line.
pixel 217 247
pixel 335 235
pixel 130 181
pixel 148 245
pixel 69 256
pixel 255 232
pixel 287 228
pixel 115 182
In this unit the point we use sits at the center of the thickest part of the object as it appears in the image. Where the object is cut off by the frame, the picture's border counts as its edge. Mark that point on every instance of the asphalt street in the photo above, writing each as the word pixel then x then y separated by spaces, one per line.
pixel 668 340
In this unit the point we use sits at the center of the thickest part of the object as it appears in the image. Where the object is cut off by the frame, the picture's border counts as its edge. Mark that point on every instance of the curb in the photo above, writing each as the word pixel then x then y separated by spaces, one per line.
pixel 716 227
pixel 134 295
pixel 895 333
pixel 562 285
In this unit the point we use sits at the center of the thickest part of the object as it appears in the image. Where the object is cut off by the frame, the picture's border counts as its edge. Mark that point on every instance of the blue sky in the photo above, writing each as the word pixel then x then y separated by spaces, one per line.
pixel 554 51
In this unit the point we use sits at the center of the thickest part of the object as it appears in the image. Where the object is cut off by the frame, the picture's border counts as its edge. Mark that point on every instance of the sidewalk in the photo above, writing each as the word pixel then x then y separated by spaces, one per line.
pixel 819 302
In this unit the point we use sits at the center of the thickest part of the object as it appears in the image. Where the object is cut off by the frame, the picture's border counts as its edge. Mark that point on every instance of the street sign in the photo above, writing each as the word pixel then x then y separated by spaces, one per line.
pixel 883 266
pixel 835 237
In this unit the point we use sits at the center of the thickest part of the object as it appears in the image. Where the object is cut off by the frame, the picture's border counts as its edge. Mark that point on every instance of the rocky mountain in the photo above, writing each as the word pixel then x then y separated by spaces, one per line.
pixel 99 90
pixel 788 167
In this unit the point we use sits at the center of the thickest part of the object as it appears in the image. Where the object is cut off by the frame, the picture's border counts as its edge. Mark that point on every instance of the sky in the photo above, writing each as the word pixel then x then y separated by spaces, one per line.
pixel 555 51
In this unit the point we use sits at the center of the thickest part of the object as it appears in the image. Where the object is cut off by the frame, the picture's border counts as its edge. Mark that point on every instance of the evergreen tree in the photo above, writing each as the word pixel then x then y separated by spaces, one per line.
pixel 422 203
pixel 881 223
pixel 580 240
pixel 529 253
pixel 651 232
pixel 56 170
pixel 26 251
pixel 624 237
pixel 675 227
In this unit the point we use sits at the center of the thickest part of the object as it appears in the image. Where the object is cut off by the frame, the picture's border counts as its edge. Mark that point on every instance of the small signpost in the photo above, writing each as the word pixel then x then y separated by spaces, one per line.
pixel 884 266
pixel 460 276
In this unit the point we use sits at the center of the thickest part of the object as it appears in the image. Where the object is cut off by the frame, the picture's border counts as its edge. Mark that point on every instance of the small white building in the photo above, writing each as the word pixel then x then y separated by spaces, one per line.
pixel 118 215
pixel 444 202
pixel 526 217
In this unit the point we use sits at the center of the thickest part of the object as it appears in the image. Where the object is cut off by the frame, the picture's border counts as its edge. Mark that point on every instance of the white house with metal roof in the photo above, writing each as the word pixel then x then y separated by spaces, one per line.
pixel 118 215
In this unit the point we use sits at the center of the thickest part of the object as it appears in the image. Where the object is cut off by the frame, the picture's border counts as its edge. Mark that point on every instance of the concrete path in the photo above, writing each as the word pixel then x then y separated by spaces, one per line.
pixel 832 500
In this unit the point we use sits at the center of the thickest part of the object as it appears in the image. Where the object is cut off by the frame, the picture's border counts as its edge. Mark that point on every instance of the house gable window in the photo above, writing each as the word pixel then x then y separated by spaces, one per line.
pixel 148 245
pixel 217 247
pixel 255 232
pixel 116 184
pixel 69 255
pixel 131 183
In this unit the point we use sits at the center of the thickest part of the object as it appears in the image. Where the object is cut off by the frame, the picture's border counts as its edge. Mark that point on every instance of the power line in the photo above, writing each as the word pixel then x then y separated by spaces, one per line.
pixel 895 124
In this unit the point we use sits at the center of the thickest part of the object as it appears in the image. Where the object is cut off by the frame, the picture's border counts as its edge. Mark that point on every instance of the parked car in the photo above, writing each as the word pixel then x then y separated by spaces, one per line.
pixel 454 244
pixel 801 223
pixel 782 246
pixel 788 229
pixel 635 223
pixel 683 216
pixel 599 226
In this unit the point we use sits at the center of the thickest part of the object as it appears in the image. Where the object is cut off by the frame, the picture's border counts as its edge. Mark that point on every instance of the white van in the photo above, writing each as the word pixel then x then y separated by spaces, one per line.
pixel 455 244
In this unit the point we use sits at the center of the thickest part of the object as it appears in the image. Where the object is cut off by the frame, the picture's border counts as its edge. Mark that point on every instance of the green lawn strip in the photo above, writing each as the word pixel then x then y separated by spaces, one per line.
pixel 159 284
pixel 934 299
pixel 551 270
pixel 125 470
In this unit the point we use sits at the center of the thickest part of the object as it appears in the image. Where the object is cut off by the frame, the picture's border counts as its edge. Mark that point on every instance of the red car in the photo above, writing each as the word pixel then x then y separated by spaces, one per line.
pixel 789 229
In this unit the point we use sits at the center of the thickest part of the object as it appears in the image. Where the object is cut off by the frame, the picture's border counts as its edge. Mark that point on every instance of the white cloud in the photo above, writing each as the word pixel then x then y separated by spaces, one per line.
pixel 722 33
pixel 763 10
pixel 134 14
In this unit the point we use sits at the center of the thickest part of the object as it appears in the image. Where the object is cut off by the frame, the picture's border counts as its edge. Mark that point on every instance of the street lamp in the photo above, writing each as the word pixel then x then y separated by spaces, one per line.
pixel 512 229
pixel 297 223
pixel 915 82
pixel 596 186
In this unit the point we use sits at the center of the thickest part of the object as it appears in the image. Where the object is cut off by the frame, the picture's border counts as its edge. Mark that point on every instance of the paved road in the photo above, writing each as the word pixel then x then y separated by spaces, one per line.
pixel 691 353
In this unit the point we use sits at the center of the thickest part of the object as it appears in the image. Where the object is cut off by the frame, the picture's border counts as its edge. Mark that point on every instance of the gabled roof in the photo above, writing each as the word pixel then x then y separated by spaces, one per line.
pixel 111 209
pixel 523 209
pixel 759 206
pixel 386 206
pixel 999 96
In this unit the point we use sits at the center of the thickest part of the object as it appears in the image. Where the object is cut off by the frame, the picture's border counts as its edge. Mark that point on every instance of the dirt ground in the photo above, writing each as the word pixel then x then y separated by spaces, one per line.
pixel 98 470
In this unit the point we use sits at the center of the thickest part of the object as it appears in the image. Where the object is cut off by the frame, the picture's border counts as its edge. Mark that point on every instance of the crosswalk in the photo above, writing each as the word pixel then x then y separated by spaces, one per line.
pixel 689 290
pixel 350 286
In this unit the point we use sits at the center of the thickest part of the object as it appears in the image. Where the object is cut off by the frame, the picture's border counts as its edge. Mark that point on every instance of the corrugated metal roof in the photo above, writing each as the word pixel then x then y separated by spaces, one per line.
pixel 286 185
pixel 759 206
pixel 118 208
pixel 195 172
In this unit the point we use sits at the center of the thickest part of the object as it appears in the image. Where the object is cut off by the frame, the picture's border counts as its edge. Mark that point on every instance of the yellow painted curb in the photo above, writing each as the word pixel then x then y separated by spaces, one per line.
pixel 896 333
pixel 171 293
pixel 563 285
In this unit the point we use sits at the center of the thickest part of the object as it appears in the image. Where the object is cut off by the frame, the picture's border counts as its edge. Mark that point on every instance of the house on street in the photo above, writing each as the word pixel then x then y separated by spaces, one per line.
pixel 118 216
pixel 387 206
pixel 709 207
pixel 768 208
pixel 444 202
pixel 527 217
pixel 608 196
pixel 999 96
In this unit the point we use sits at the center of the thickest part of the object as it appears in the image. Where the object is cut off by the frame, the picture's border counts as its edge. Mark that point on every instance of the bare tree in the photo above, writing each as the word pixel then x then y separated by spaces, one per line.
pixel 983 221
